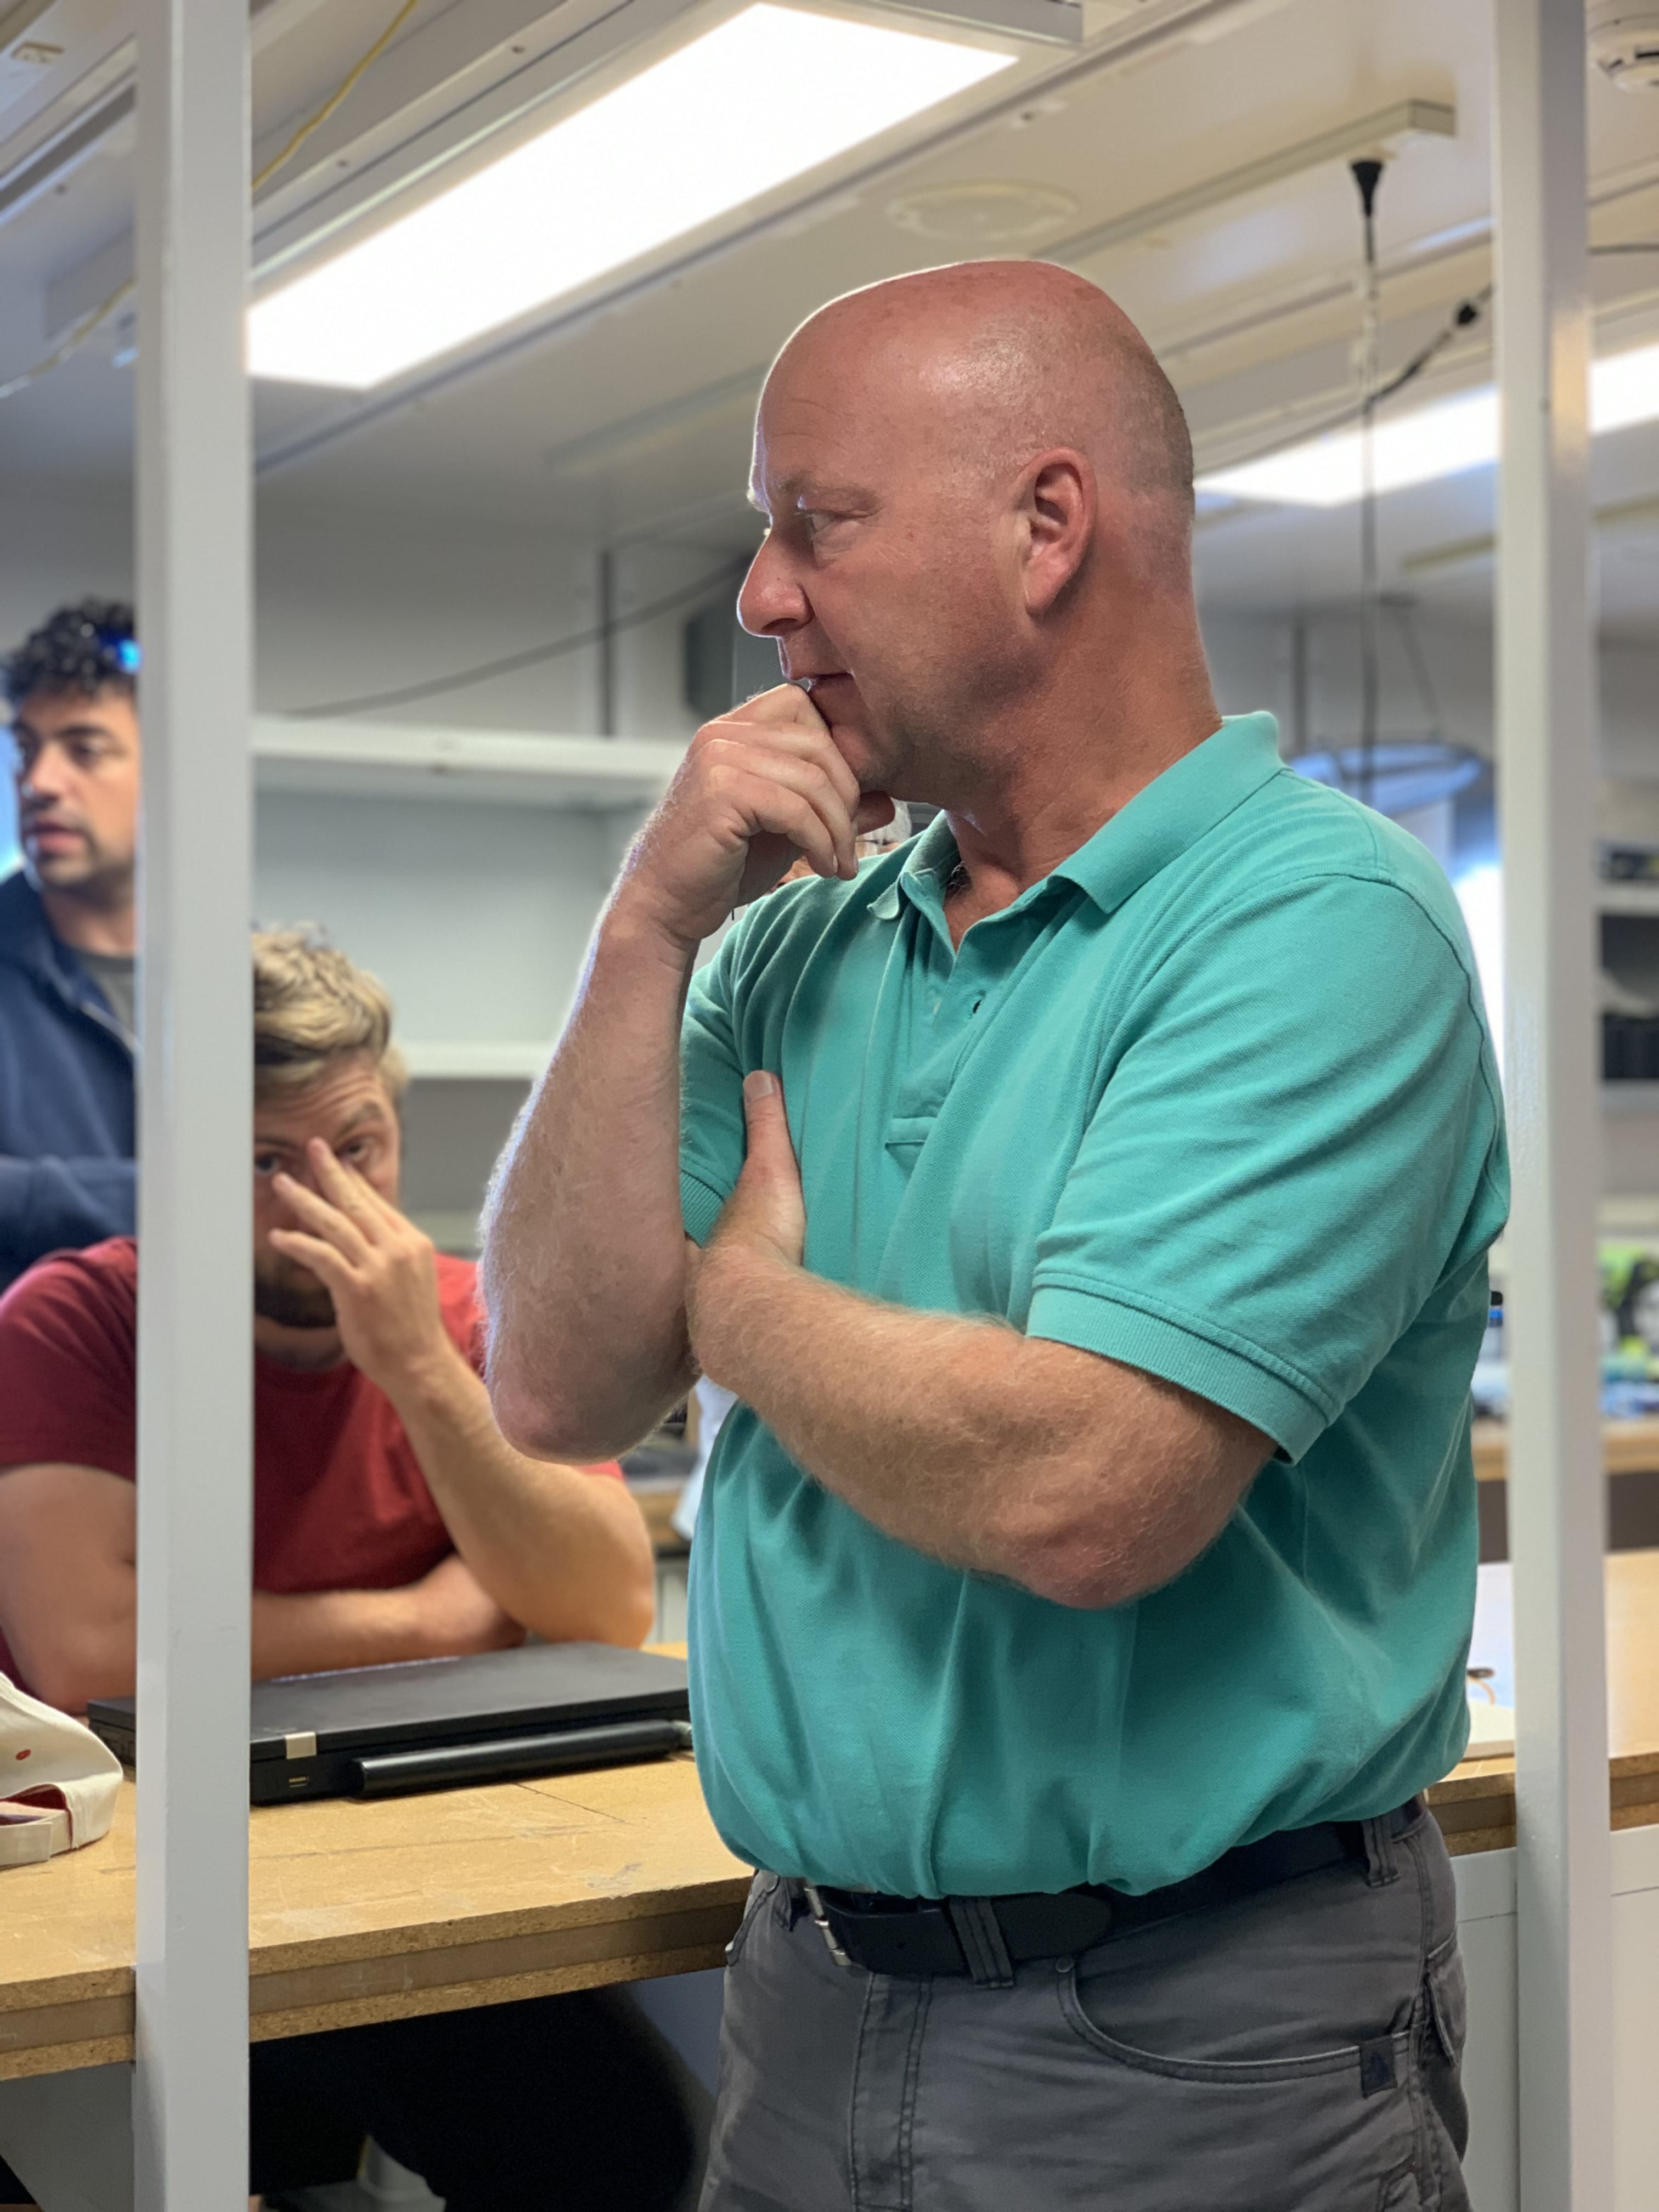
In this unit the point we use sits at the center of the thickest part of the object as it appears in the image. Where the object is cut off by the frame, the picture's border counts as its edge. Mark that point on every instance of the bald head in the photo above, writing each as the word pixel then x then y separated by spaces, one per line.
pixel 979 487
pixel 1002 359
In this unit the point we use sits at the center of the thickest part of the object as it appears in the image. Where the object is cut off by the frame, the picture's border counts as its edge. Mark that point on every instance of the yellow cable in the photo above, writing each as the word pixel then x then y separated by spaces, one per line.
pixel 342 91
pixel 66 346
pixel 79 332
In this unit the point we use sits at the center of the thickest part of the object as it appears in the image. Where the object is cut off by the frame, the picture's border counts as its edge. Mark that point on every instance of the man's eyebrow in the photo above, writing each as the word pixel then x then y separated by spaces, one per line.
pixel 22 727
pixel 821 491
pixel 370 1110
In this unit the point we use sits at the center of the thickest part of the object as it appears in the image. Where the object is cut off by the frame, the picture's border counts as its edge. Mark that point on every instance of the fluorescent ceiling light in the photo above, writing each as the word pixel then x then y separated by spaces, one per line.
pixel 764 97
pixel 1438 440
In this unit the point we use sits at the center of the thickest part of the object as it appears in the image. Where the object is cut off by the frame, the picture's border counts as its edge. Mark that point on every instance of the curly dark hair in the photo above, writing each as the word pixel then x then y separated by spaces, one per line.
pixel 89 648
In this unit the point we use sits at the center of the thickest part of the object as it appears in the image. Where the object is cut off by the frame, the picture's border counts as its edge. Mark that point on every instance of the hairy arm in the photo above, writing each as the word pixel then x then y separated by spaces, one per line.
pixel 564 1552
pixel 1085 1481
pixel 583 1266
pixel 585 1262
pixel 68 1598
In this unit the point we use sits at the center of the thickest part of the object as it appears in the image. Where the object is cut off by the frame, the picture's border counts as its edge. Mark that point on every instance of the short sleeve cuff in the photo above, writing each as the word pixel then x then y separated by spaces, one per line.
pixel 700 1207
pixel 1223 1372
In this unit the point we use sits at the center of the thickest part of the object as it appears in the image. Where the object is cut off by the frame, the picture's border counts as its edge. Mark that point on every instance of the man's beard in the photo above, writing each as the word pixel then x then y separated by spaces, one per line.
pixel 283 1297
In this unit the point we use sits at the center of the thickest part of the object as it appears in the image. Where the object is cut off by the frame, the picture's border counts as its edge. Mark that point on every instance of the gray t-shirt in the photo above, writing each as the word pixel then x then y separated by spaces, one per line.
pixel 116 975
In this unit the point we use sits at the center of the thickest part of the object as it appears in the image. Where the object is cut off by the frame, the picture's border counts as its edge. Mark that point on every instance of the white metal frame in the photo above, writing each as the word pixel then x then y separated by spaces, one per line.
pixel 195 1109
pixel 1545 752
pixel 195 1440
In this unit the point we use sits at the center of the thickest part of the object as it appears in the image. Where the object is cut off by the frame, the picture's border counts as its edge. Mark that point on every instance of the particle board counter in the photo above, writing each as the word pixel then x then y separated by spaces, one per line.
pixel 375 1910
pixel 365 1909
pixel 1475 1804
pixel 1627 1447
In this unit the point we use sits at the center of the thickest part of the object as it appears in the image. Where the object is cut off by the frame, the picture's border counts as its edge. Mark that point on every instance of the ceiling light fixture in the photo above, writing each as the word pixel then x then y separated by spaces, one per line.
pixel 762 98
pixel 1441 439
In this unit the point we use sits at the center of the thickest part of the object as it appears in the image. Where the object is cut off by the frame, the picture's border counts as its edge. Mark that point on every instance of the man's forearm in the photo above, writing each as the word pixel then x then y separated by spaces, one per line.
pixel 563 1552
pixel 899 1413
pixel 584 1263
pixel 1083 1481
pixel 316 1631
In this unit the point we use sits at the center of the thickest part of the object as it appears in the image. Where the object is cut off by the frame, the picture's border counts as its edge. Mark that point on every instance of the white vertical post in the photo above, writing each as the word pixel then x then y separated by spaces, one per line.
pixel 1547 778
pixel 195 1110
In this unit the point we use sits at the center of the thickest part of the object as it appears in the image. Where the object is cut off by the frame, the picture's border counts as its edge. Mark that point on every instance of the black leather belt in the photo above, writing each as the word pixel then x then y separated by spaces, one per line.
pixel 987 1937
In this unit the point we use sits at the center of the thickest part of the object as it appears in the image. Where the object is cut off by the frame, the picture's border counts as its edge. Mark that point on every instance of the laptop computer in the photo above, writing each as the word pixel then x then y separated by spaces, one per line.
pixel 434 1723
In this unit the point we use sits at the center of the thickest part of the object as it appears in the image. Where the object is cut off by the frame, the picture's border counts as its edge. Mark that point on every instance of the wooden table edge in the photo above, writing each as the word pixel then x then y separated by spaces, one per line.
pixel 298 1988
pixel 50 2028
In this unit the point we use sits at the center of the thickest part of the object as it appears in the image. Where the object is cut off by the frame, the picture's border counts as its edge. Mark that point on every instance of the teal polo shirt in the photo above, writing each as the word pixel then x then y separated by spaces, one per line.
pixel 1214 1099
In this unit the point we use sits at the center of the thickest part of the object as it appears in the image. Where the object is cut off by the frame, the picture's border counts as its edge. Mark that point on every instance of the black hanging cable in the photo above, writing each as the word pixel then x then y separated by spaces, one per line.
pixel 1404 614
pixel 1466 313
pixel 1367 174
pixel 1463 317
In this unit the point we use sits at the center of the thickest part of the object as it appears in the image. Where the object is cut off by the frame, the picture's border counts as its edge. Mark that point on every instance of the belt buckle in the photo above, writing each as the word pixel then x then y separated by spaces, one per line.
pixel 821 1922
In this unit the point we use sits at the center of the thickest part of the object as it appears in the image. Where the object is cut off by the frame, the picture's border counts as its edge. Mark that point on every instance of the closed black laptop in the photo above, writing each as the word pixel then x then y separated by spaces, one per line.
pixel 492 1716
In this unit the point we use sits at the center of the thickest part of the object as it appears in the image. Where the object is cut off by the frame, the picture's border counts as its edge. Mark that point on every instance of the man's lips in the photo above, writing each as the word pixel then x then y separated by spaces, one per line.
pixel 51 837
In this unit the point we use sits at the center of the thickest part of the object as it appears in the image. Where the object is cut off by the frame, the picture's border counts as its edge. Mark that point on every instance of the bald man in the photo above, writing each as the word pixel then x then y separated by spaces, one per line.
pixel 1088 1205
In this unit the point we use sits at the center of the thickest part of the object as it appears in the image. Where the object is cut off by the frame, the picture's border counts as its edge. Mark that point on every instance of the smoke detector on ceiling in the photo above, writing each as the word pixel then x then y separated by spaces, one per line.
pixel 984 213
pixel 1624 43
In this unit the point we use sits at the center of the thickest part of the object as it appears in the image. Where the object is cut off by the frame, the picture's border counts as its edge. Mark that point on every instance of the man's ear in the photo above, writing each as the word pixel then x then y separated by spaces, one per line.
pixel 1060 506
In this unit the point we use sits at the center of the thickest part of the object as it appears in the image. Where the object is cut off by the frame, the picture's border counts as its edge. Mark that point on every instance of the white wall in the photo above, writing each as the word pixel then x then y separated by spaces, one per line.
pixel 349 603
pixel 1252 657
pixel 1485 1924
pixel 476 917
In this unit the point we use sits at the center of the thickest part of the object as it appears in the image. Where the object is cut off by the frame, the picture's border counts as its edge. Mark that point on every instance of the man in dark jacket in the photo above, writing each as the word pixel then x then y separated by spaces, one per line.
pixel 66 937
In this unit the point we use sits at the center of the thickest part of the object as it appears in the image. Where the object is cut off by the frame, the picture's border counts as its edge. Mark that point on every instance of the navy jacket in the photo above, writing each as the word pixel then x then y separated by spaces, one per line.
pixel 66 1095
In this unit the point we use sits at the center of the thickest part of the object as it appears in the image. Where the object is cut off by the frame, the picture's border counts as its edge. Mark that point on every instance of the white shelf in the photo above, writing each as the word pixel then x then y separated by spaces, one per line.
pixel 379 760
pixel 461 1063
pixel 1626 899
pixel 1630 1097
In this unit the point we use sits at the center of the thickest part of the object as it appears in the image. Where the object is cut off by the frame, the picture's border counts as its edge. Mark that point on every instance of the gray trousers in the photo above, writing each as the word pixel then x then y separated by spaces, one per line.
pixel 1295 2052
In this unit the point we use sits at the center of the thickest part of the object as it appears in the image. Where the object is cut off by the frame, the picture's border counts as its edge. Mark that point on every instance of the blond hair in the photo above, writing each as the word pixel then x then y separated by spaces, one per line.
pixel 312 1006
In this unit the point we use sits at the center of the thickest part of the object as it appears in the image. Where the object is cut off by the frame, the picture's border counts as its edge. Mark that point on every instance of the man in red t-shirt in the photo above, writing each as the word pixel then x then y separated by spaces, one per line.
pixel 392 1522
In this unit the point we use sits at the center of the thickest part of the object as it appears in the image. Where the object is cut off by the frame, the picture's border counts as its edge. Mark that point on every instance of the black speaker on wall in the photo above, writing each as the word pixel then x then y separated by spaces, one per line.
pixel 724 665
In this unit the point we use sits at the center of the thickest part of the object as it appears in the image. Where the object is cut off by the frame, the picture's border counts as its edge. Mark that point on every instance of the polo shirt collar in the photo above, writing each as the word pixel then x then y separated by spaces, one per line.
pixel 1158 824
pixel 1170 814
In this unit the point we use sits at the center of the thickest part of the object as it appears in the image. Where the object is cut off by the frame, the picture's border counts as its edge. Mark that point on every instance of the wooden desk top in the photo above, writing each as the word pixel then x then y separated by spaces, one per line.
pixel 1475 1804
pixel 1627 1447
pixel 362 1911
pixel 375 1910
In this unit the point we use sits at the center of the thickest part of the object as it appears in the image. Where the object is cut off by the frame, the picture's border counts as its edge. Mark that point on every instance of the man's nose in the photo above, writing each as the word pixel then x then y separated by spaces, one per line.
pixel 772 600
pixel 46 775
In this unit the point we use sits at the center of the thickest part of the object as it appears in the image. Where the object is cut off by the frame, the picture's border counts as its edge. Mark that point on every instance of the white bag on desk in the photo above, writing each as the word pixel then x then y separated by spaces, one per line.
pixel 57 1783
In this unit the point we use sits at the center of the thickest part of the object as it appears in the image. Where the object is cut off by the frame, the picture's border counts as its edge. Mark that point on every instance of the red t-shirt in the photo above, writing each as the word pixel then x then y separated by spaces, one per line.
pixel 339 1500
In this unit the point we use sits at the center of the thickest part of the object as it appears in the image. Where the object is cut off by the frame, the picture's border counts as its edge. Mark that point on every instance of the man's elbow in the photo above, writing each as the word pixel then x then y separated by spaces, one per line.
pixel 630 1600
pixel 1080 1543
pixel 1067 1558
pixel 544 1425
pixel 69 1673
pixel 1072 1577
pixel 622 1611
pixel 630 1619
